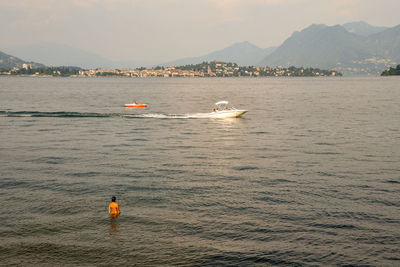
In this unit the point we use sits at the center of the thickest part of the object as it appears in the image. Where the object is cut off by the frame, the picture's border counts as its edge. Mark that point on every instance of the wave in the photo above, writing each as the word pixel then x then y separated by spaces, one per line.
pixel 66 114
pixel 69 114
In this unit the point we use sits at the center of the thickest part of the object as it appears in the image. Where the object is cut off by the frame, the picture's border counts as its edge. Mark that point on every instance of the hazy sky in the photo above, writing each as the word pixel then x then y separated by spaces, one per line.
pixel 163 30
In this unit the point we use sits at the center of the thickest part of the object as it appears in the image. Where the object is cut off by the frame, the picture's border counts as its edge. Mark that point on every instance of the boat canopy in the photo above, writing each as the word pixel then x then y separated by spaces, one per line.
pixel 222 103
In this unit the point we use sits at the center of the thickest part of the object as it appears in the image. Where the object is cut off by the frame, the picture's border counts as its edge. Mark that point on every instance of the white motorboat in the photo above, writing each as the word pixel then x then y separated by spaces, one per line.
pixel 223 110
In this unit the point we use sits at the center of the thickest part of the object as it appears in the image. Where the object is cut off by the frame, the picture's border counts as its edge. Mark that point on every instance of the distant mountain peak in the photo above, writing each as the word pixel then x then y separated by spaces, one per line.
pixel 243 44
pixel 243 53
pixel 362 28
pixel 316 26
pixel 323 27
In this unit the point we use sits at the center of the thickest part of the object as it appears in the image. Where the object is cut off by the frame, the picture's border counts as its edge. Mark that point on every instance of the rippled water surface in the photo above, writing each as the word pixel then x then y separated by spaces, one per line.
pixel 309 176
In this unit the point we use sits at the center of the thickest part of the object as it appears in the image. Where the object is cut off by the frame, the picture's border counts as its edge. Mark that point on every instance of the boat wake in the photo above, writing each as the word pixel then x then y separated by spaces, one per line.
pixel 66 114
pixel 173 116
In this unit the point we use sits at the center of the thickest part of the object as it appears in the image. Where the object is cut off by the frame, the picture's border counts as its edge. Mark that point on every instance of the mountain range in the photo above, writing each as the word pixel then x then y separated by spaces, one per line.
pixel 52 54
pixel 334 47
pixel 354 48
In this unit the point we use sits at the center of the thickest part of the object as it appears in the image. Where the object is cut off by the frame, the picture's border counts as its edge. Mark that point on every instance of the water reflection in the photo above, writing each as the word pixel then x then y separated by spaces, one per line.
pixel 114 224
pixel 228 123
pixel 114 232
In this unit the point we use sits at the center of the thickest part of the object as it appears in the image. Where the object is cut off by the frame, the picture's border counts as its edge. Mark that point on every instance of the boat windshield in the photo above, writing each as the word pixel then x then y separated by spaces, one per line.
pixel 222 105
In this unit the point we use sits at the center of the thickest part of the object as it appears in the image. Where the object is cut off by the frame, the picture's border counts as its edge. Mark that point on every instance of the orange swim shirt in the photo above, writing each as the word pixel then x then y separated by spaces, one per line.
pixel 113 209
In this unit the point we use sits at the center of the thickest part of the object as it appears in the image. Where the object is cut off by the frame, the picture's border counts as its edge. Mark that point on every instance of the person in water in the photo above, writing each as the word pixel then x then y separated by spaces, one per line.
pixel 113 208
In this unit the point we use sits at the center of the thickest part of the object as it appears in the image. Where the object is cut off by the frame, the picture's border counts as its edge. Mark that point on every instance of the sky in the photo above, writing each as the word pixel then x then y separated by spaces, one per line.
pixel 163 30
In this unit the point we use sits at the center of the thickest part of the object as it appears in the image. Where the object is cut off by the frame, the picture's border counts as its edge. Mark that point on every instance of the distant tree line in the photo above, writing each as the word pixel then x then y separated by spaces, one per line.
pixel 51 71
pixel 109 73
pixel 391 71
pixel 204 69
pixel 223 69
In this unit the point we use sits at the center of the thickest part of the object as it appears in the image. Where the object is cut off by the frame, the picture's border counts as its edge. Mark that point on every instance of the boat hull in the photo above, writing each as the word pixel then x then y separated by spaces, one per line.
pixel 228 113
pixel 135 105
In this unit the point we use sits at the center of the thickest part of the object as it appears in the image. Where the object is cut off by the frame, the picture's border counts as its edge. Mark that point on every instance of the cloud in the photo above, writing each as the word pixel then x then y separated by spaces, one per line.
pixel 84 4
pixel 231 10
pixel 344 8
pixel 92 3
pixel 52 4
pixel 228 3
pixel 21 13
pixel 26 4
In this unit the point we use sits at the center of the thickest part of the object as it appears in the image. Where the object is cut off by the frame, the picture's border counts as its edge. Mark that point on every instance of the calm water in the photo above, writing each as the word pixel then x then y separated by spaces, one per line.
pixel 309 176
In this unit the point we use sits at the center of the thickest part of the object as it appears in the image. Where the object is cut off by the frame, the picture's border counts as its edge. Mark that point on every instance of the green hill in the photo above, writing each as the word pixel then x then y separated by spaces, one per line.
pixel 8 62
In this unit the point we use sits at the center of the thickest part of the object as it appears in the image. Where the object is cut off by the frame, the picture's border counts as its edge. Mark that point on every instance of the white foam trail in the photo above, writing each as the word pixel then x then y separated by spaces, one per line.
pixel 77 114
pixel 199 115
pixel 170 116
pixel 157 116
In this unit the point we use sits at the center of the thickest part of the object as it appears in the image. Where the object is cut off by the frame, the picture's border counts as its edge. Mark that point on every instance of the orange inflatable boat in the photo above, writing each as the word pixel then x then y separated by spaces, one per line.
pixel 135 105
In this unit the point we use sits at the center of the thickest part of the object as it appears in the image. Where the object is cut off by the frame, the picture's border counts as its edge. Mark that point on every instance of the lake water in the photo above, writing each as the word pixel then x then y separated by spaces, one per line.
pixel 309 176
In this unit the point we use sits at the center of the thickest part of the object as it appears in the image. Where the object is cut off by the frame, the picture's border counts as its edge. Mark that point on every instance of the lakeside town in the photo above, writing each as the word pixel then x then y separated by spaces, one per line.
pixel 205 69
